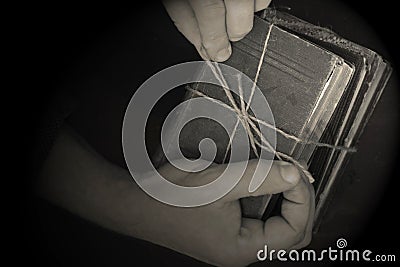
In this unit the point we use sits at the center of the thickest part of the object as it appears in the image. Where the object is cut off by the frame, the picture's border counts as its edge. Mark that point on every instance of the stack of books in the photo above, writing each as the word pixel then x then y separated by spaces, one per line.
pixel 320 88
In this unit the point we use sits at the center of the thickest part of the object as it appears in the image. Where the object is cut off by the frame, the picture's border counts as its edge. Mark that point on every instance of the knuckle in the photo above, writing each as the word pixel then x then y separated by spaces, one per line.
pixel 215 40
pixel 208 10
pixel 239 31
pixel 212 7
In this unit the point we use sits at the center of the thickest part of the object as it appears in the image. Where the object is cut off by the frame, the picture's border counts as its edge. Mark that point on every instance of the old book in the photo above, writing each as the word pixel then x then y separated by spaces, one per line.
pixel 319 88
pixel 354 109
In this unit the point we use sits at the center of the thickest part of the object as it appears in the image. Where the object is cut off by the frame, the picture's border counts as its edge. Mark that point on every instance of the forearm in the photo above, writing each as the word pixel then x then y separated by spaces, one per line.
pixel 80 180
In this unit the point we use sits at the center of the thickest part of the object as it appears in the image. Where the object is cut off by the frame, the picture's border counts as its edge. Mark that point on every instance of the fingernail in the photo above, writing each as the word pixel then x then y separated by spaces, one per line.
pixel 289 172
pixel 223 54
pixel 235 39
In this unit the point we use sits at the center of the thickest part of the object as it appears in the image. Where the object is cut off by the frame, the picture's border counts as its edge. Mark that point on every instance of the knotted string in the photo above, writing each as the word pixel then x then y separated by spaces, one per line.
pixel 248 121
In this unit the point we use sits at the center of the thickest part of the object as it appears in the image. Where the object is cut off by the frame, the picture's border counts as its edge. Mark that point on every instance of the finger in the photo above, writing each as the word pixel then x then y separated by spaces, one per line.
pixel 239 18
pixel 281 232
pixel 271 178
pixel 261 4
pixel 210 15
pixel 289 229
pixel 309 228
pixel 184 19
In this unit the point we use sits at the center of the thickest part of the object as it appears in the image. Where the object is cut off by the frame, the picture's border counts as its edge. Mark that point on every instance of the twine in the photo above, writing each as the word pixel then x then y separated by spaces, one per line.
pixel 249 121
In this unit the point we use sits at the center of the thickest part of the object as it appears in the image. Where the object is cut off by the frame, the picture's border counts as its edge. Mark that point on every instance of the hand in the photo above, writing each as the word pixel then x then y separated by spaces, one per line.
pixel 217 233
pixel 210 25
pixel 77 178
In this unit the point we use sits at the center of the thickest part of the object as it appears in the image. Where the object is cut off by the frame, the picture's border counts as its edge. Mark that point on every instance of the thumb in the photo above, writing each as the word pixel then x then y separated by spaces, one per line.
pixel 263 177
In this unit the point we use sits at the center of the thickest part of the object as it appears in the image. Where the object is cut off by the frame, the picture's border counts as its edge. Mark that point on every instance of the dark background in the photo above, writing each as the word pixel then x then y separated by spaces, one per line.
pixel 102 53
